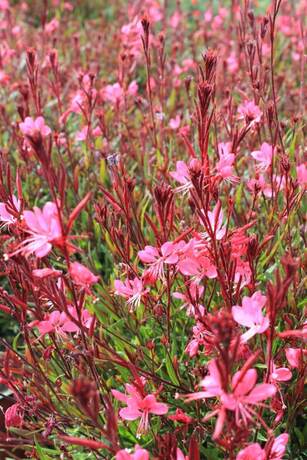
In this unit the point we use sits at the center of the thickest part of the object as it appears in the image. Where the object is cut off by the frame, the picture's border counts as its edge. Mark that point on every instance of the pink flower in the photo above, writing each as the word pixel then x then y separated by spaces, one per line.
pixel 246 393
pixel 14 416
pixel 139 406
pixel 82 134
pixel 56 322
pixel 82 276
pixel 280 374
pixel 301 173
pixel 44 228
pixel 34 128
pixel 224 167
pixel 133 290
pixel 157 258
pixel 174 123
pixel 279 447
pixel 212 384
pixel 250 315
pixel 215 219
pixel 251 452
pixel 60 323
pixel 52 26
pixel 42 273
pixel 249 112
pixel 295 356
pixel 139 454
pixel 182 175
pixel 180 455
pixel 190 299
pixel 264 156
pixel 5 215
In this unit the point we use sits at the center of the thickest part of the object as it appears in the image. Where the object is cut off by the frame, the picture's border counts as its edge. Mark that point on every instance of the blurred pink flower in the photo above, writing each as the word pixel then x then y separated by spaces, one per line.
pixel 190 299
pixel 250 315
pixel 14 416
pixel 301 173
pixel 212 384
pixel 279 447
pixel 33 128
pixel 249 112
pixel 264 156
pixel 182 175
pixel 139 454
pixel 174 123
pixel 82 276
pixel 295 356
pixel 42 273
pixel 133 290
pixel 280 374
pixel 5 215
pixel 224 166
pixel 215 219
pixel 52 26
pixel 251 452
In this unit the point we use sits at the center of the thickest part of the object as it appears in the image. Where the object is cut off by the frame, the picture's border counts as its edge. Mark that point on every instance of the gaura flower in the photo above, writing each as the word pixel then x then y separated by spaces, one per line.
pixel 33 128
pixel 251 316
pixel 44 229
pixel 139 406
pixel 132 290
pixel 264 156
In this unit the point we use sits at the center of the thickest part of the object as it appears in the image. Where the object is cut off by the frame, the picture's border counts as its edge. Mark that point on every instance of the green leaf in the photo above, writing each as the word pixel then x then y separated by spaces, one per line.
pixel 171 371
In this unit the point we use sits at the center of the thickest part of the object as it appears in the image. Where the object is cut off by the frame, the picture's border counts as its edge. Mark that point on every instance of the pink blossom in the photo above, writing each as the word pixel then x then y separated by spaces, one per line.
pixel 246 393
pixel 250 315
pixel 215 218
pixel 264 156
pixel 251 452
pixel 280 374
pixel 5 215
pixel 295 356
pixel 82 135
pixel 52 26
pixel 4 5
pixel 133 290
pixel 139 406
pixel 175 19
pixel 14 416
pixel 301 173
pixel 139 454
pixel 60 323
pixel 180 455
pixel 44 228
pixel 174 123
pixel 33 128
pixel 115 93
pixel 190 299
pixel 157 258
pixel 182 175
pixel 56 322
pixel 82 276
pixel 232 63
pixel 42 273
pixel 224 166
pixel 249 112
pixel 279 447
pixel 212 384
